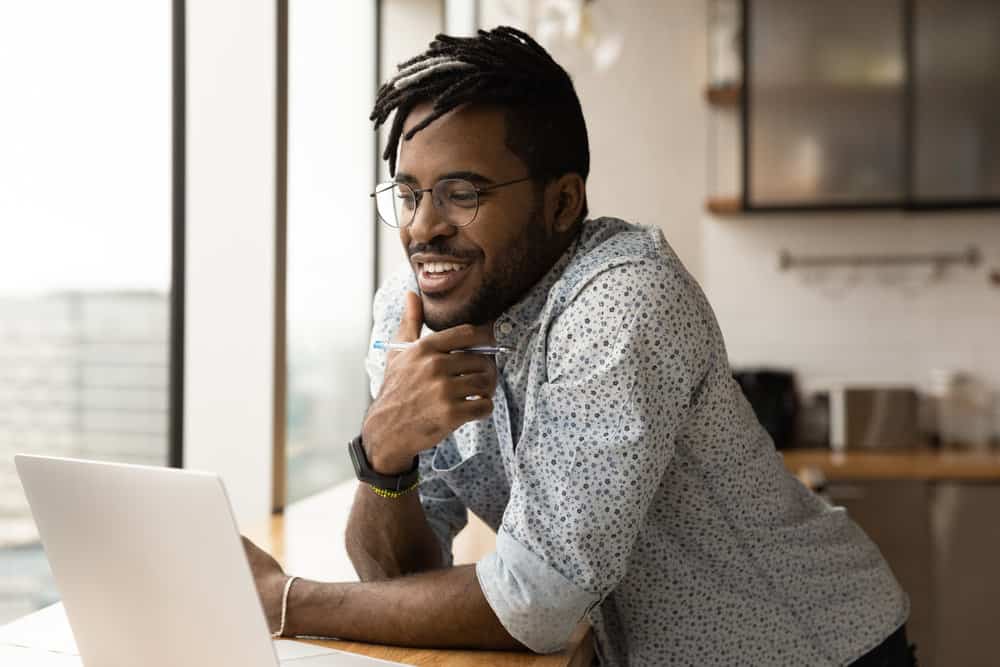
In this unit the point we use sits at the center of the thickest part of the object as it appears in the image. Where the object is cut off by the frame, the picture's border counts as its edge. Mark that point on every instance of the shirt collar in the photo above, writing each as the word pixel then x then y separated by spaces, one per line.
pixel 527 310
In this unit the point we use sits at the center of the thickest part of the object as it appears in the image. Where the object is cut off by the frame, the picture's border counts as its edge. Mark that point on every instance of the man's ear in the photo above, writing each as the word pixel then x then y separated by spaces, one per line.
pixel 564 201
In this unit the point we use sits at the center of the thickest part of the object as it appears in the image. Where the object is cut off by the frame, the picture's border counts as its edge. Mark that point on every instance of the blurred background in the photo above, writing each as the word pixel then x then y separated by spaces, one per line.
pixel 829 173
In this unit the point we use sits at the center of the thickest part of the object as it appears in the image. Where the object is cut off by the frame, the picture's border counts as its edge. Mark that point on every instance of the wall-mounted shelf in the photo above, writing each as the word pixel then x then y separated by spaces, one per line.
pixel 728 96
pixel 724 205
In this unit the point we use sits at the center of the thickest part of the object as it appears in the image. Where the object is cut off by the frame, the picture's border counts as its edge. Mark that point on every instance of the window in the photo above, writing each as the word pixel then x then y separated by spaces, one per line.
pixel 85 209
pixel 330 236
pixel 336 252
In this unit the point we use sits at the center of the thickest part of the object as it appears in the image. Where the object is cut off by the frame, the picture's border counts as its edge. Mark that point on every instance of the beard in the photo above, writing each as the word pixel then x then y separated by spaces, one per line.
pixel 526 262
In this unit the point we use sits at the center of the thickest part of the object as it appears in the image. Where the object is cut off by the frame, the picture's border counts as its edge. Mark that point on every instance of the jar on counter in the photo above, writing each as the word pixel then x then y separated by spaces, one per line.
pixel 964 411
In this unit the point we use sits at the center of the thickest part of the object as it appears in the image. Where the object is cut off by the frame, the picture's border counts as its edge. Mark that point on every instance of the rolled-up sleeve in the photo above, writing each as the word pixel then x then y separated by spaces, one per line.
pixel 535 603
pixel 624 363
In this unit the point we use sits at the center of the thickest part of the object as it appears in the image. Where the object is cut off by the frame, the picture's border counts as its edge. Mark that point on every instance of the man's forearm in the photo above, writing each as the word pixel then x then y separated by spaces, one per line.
pixel 442 608
pixel 389 537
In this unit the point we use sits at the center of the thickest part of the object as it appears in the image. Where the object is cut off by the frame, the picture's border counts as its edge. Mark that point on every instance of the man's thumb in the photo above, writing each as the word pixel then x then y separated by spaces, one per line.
pixel 413 319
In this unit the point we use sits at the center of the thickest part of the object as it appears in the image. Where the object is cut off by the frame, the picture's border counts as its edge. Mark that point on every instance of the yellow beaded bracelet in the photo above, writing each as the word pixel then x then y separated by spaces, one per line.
pixel 385 493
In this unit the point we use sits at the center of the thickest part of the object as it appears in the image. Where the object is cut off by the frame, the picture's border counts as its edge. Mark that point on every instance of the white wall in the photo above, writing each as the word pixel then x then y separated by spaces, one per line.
pixel 856 325
pixel 230 255
pixel 645 117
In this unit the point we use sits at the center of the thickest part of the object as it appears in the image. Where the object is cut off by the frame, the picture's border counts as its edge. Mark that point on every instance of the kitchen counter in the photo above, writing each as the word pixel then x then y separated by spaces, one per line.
pixel 932 515
pixel 813 464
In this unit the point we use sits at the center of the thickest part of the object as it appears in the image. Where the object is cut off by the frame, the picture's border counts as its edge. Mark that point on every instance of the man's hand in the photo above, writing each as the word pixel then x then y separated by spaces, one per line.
pixel 425 391
pixel 270 581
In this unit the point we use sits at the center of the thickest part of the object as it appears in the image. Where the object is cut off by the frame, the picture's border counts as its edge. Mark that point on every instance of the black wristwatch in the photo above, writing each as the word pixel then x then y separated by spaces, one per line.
pixel 387 486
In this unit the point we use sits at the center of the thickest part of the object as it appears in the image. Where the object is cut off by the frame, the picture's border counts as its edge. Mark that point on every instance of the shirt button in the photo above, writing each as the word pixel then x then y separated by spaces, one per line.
pixel 506 328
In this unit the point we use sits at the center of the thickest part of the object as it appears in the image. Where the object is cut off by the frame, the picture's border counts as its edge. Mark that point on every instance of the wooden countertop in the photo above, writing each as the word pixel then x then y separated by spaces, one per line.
pixel 308 540
pixel 930 465
pixel 576 656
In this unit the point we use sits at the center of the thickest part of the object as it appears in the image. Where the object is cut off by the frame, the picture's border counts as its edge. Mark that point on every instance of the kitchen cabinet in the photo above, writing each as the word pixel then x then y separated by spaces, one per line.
pixel 896 516
pixel 966 539
pixel 942 541
pixel 880 104
pixel 956 101
pixel 826 95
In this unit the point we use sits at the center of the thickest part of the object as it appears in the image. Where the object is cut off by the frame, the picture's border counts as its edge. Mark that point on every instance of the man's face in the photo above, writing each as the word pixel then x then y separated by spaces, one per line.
pixel 491 263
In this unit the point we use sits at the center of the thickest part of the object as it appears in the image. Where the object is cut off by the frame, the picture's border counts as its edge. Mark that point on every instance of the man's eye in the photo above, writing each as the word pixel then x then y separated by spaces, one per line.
pixel 463 197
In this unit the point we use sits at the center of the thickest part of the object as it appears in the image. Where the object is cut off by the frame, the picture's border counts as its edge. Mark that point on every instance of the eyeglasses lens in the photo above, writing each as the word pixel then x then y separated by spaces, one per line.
pixel 456 201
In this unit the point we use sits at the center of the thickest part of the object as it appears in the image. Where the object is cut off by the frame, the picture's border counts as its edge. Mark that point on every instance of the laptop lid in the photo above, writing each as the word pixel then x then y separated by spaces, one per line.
pixel 149 564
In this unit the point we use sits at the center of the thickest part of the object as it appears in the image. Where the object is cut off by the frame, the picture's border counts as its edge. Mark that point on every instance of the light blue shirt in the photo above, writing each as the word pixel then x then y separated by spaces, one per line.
pixel 630 483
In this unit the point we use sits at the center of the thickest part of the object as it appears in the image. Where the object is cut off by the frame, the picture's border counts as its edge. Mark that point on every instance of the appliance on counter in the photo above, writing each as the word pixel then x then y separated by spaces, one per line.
pixel 774 397
pixel 874 417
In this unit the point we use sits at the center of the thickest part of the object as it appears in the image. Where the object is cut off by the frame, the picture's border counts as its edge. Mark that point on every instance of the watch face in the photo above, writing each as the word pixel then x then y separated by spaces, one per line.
pixel 359 468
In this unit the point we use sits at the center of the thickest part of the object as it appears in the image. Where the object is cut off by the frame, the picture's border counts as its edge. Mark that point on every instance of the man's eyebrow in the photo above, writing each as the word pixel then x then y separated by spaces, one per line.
pixel 403 177
pixel 467 175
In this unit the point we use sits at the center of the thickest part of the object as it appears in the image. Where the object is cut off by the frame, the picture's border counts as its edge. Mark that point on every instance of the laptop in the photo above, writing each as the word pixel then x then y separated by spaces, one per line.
pixel 151 568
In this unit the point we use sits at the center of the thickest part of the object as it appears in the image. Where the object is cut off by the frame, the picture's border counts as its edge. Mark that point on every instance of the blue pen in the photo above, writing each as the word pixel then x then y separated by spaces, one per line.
pixel 476 349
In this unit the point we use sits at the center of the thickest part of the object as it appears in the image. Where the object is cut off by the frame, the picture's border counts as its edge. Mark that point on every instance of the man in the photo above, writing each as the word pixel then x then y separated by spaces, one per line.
pixel 627 478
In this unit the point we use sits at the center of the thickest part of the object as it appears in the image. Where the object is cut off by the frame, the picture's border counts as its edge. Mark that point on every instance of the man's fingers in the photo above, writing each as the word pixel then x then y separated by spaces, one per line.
pixel 477 408
pixel 465 364
pixel 473 385
pixel 413 319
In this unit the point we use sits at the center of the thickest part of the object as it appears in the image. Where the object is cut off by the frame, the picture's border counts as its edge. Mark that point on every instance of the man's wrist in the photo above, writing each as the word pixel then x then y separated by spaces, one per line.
pixel 383 465
pixel 391 468
pixel 310 608
pixel 271 590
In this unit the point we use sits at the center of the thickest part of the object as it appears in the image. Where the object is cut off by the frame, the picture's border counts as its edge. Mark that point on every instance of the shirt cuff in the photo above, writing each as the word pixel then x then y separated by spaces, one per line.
pixel 537 605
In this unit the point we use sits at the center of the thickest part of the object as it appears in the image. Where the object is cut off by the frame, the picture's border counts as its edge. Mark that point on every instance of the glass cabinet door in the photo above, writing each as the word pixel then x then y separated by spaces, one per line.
pixel 825 103
pixel 956 81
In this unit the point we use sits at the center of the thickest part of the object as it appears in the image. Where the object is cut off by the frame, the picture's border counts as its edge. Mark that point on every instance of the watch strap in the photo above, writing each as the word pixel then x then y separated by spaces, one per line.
pixel 387 486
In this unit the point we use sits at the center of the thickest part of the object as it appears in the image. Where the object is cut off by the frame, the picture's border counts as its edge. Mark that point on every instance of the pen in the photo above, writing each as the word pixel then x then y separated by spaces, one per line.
pixel 476 349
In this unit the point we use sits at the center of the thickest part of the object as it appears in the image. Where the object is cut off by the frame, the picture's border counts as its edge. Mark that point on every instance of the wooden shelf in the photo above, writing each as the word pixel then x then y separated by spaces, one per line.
pixel 729 96
pixel 724 205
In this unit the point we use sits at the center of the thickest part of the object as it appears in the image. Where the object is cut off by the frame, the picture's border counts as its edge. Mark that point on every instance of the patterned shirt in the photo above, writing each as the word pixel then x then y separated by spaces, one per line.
pixel 629 482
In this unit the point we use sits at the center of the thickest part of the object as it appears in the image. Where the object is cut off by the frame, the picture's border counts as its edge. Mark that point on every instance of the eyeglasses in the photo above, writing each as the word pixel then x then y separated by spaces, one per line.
pixel 456 201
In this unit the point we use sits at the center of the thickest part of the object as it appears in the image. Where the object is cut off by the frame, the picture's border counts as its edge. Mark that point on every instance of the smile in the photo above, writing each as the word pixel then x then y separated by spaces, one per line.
pixel 440 277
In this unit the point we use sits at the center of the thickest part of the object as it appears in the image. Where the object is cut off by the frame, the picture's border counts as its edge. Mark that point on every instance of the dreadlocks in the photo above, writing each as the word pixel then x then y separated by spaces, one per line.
pixel 505 68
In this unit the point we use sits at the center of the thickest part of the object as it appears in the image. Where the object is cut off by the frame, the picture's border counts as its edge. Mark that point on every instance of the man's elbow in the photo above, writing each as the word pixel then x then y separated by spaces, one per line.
pixel 537 628
pixel 379 564
pixel 367 565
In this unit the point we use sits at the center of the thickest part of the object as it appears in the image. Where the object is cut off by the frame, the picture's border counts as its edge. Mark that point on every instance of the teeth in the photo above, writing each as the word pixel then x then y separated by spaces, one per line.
pixel 442 267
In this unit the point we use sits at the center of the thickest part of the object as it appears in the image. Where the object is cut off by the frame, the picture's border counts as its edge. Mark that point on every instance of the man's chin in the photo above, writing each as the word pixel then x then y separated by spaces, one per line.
pixel 442 321
pixel 439 316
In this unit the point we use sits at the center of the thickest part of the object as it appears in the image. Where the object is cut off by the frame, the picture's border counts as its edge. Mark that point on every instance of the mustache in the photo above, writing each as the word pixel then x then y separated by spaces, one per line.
pixel 437 248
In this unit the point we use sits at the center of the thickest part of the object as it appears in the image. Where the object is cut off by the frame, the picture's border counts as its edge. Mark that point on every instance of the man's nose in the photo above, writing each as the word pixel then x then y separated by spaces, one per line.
pixel 428 223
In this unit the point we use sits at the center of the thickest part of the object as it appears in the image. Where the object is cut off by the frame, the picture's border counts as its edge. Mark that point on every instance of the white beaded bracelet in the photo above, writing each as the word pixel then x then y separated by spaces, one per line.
pixel 284 607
